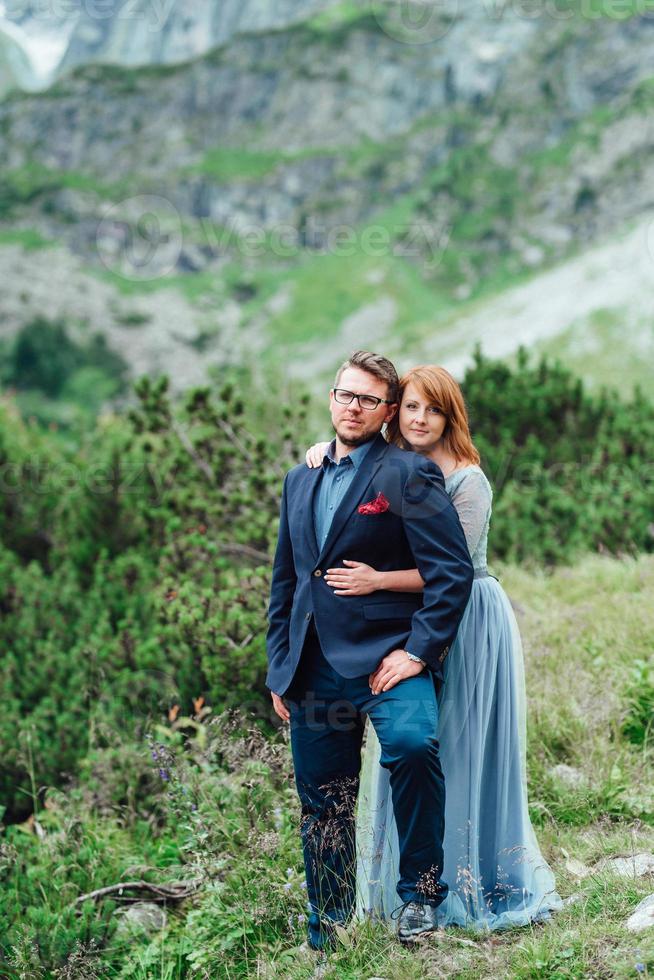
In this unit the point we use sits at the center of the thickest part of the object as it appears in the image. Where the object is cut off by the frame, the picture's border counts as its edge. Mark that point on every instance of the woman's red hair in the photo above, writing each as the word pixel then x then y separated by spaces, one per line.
pixel 440 389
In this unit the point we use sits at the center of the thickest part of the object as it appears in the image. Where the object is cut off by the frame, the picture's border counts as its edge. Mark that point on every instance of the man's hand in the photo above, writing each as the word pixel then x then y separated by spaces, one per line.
pixel 280 706
pixel 395 667
pixel 357 579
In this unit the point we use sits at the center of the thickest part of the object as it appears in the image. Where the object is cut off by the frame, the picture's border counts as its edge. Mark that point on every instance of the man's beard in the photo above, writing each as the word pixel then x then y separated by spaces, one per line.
pixel 354 441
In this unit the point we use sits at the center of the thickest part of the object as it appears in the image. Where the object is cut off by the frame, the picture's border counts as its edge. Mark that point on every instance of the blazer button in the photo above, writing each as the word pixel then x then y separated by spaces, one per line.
pixel 308 617
pixel 317 573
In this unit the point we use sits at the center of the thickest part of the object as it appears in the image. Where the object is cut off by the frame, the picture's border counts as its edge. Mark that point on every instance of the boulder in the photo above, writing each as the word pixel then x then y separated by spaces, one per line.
pixel 643 916
pixel 633 866
pixel 142 917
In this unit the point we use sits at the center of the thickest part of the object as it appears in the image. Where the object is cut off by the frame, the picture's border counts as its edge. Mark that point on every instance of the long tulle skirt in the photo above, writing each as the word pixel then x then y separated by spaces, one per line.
pixel 496 874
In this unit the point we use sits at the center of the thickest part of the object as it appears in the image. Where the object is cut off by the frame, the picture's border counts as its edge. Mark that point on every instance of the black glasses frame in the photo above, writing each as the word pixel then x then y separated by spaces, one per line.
pixel 353 395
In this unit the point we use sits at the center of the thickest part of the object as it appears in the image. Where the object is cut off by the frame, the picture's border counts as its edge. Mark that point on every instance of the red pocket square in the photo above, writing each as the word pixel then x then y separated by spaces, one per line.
pixel 377 506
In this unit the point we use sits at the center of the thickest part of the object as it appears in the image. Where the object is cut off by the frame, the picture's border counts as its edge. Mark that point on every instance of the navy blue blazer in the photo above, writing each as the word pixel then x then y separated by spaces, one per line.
pixel 419 529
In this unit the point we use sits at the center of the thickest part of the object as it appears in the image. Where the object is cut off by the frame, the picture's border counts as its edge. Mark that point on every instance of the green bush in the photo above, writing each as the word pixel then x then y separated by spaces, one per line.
pixel 571 471
pixel 135 568
pixel 151 585
pixel 44 357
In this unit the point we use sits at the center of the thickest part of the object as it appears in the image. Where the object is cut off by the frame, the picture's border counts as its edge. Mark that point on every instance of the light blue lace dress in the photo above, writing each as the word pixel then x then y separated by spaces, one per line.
pixel 493 865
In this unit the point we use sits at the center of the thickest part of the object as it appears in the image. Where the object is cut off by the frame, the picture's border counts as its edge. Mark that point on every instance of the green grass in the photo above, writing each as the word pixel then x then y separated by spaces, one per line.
pixel 606 351
pixel 586 133
pixel 325 289
pixel 608 9
pixel 29 238
pixel 338 15
pixel 585 629
pixel 193 285
pixel 25 184
pixel 225 163
pixel 332 27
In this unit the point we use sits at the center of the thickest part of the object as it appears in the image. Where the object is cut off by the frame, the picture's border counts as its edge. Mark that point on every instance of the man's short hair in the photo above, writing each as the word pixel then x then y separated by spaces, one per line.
pixel 376 365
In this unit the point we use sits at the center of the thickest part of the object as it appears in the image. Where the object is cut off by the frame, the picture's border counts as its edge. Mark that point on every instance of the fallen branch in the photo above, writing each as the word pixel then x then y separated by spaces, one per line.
pixel 173 892
pixel 247 551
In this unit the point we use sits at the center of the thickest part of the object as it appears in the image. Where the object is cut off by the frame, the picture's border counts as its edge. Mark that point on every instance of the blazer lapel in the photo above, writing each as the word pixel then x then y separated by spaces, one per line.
pixel 306 509
pixel 362 479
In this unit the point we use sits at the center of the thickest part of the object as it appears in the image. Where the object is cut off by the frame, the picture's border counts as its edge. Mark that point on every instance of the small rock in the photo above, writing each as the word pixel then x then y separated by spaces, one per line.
pixel 489 52
pixel 578 868
pixel 568 775
pixel 634 866
pixel 533 255
pixel 643 917
pixel 142 916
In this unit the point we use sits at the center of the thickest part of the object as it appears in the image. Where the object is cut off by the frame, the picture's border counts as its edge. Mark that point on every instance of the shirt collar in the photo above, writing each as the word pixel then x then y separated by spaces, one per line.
pixel 356 456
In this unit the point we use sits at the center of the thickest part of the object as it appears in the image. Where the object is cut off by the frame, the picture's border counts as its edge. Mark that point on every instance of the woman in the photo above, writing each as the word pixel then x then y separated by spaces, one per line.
pixel 493 865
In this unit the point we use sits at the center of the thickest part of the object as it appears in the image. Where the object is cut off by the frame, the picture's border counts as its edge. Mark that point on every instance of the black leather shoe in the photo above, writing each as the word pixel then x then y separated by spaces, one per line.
pixel 415 921
pixel 321 934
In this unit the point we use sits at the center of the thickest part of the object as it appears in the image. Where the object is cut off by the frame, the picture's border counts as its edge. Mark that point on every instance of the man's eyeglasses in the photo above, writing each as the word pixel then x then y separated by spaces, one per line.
pixel 369 402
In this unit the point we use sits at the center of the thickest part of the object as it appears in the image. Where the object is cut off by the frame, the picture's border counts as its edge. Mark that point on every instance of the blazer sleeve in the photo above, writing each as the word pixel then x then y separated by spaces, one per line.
pixel 439 547
pixel 282 589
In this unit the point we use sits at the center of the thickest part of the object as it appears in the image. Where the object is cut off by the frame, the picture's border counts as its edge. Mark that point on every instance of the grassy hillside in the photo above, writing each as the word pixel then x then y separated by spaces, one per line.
pixel 221 809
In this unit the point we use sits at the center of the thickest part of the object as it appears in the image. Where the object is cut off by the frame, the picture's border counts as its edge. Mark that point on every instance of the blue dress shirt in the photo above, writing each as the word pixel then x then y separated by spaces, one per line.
pixel 336 478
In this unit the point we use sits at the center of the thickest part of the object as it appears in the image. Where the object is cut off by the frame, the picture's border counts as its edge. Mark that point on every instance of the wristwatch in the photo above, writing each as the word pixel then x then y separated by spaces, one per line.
pixel 418 660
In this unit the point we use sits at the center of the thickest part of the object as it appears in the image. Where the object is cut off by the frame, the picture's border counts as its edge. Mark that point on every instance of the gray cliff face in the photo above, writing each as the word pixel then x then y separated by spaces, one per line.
pixel 148 32
pixel 350 119
pixel 286 91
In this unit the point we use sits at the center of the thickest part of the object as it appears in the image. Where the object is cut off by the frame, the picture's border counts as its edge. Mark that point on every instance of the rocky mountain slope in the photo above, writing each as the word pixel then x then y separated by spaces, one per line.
pixel 333 181
pixel 141 32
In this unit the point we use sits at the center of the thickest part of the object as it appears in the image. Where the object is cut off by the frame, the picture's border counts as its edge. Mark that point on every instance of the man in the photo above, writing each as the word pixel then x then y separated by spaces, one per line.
pixel 333 660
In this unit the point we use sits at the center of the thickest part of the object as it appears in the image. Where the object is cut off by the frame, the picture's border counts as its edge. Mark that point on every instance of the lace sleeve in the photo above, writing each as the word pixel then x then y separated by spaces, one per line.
pixel 472 499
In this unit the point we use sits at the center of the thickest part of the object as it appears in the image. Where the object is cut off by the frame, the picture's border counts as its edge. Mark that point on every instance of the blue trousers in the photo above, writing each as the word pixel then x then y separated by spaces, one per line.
pixel 327 723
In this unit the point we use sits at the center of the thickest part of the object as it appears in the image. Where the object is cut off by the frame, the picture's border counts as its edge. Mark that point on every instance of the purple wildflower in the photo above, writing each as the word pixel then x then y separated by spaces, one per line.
pixel 641 967
pixel 165 775
pixel 288 885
